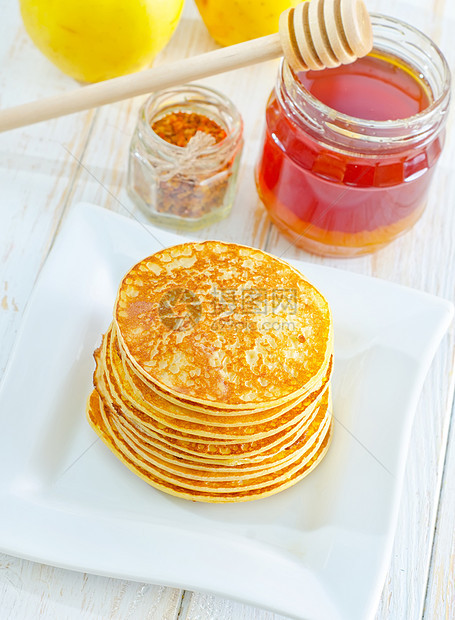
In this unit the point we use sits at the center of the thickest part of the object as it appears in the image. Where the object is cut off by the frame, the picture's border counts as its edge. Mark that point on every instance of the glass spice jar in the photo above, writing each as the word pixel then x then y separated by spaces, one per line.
pixel 348 153
pixel 184 157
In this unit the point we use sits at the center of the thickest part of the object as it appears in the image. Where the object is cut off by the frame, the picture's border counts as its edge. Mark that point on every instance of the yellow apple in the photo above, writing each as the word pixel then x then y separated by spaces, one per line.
pixel 233 21
pixel 93 40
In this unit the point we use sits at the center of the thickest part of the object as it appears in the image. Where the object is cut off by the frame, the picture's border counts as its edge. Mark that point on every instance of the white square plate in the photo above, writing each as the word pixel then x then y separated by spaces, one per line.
pixel 318 550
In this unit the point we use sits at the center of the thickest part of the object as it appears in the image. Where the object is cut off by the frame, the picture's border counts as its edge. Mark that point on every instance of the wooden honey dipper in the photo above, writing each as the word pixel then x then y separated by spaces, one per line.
pixel 320 34
pixel 317 34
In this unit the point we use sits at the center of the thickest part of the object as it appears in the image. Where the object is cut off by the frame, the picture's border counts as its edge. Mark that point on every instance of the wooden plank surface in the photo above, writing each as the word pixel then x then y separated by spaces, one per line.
pixel 46 168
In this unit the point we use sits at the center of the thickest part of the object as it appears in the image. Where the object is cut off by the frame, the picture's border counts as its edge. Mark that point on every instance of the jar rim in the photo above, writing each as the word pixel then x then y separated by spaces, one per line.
pixel 386 128
pixel 213 97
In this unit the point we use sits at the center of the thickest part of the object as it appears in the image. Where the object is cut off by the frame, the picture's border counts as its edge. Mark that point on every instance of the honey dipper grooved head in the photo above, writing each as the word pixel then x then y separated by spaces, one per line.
pixel 320 34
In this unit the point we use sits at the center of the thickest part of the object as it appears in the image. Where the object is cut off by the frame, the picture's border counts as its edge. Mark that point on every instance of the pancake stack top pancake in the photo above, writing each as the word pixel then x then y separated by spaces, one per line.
pixel 213 380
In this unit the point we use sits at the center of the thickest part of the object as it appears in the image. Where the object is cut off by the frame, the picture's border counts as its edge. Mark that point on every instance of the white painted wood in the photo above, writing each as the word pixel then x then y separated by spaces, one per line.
pixel 46 168
pixel 206 607
pixel 29 590
pixel 440 599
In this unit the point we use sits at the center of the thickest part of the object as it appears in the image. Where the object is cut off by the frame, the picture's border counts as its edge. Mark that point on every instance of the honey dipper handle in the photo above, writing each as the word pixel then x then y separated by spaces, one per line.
pixel 143 82
pixel 313 35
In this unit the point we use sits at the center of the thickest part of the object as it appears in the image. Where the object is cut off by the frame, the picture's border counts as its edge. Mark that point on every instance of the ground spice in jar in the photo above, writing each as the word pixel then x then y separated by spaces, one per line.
pixel 179 127
pixel 184 157
pixel 189 193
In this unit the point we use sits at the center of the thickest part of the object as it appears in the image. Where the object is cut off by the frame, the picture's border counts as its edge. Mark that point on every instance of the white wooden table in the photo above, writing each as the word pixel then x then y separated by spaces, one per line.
pixel 47 168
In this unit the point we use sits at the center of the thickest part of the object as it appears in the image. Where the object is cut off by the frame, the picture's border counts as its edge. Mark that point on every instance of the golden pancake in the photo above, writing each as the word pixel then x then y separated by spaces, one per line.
pixel 231 454
pixel 201 470
pixel 136 380
pixel 212 437
pixel 213 381
pixel 112 394
pixel 231 478
pixel 206 495
pixel 136 393
pixel 206 444
pixel 248 453
pixel 225 325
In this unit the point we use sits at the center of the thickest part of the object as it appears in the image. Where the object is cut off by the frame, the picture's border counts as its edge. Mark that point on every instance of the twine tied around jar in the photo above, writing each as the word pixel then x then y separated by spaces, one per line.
pixel 187 161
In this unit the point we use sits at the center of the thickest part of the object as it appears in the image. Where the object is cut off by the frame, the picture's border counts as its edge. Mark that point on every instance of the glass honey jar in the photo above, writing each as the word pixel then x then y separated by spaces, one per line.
pixel 184 157
pixel 348 153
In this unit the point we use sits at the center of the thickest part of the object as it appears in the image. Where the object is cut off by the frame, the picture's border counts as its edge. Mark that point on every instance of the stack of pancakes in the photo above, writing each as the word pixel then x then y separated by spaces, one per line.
pixel 213 380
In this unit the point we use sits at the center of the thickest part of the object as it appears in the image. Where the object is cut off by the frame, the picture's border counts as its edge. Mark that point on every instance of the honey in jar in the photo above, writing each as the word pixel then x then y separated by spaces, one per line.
pixel 349 153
